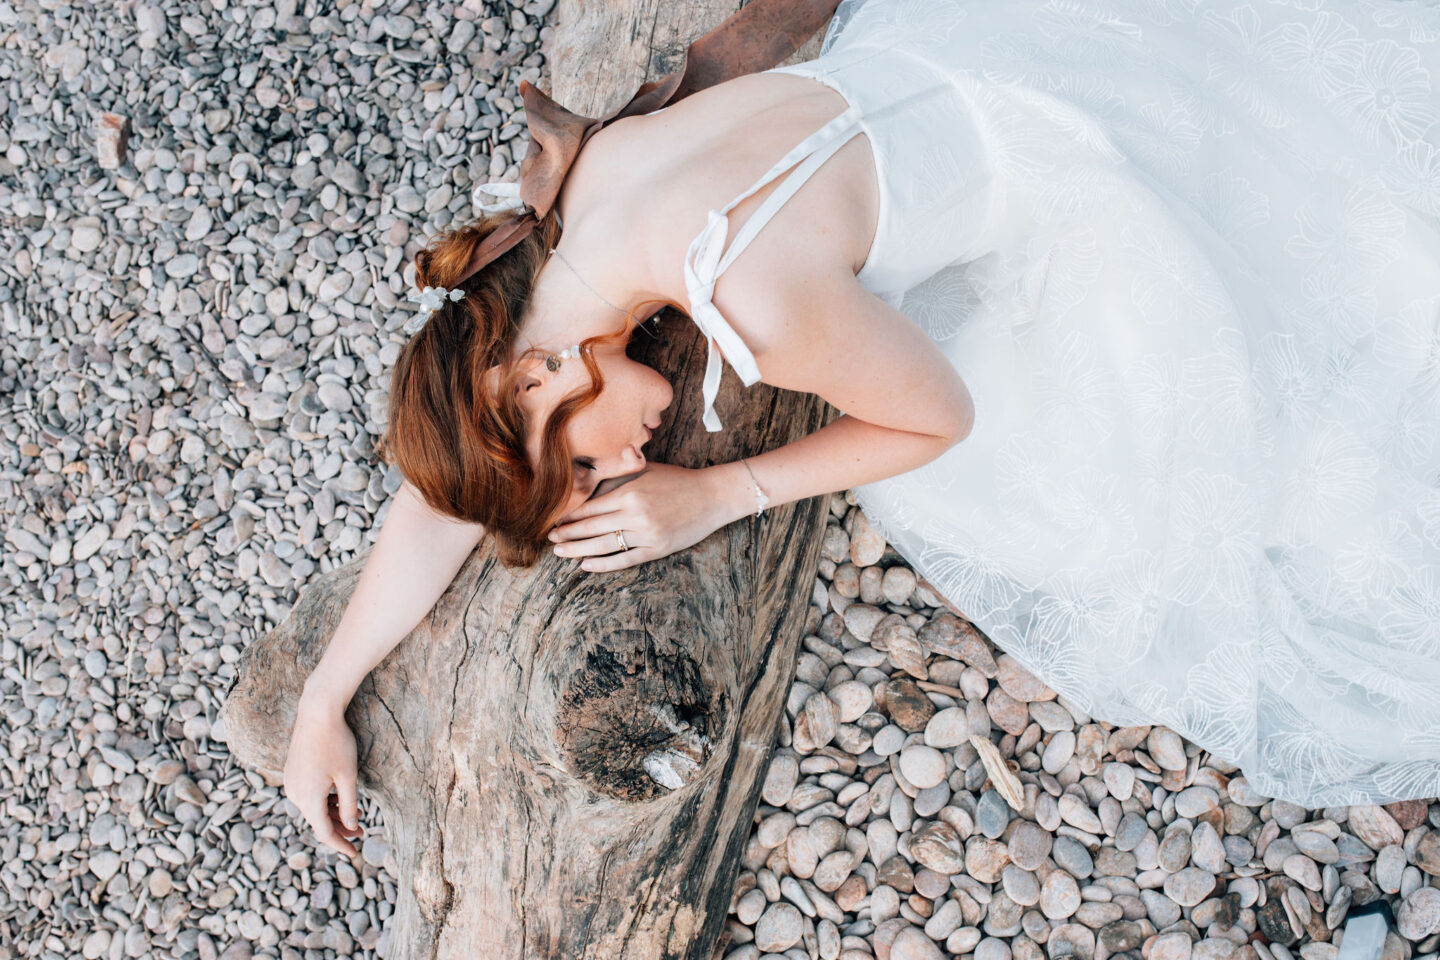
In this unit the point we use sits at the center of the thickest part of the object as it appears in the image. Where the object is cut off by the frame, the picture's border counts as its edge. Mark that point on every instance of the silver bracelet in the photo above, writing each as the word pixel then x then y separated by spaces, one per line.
pixel 760 499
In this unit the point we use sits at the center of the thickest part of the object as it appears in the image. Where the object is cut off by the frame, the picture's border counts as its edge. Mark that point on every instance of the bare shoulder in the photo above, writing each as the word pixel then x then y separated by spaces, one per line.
pixel 820 331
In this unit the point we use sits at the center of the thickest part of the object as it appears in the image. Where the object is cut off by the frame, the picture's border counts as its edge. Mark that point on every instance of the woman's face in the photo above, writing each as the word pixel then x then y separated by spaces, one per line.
pixel 606 438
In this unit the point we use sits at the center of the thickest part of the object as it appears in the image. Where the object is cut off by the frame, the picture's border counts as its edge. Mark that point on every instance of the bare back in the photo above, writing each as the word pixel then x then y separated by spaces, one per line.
pixel 651 180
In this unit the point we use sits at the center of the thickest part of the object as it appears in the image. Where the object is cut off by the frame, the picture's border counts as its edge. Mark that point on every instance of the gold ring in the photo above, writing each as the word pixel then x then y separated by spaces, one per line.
pixel 621 537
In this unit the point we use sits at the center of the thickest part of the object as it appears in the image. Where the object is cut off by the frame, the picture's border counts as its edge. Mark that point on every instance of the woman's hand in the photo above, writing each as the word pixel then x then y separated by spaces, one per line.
pixel 322 752
pixel 660 510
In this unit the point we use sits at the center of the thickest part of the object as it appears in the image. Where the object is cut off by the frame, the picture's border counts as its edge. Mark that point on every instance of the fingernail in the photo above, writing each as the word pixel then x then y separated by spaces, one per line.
pixel 351 822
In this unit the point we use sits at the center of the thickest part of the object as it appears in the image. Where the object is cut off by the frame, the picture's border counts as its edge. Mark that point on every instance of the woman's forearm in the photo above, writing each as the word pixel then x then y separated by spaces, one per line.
pixel 412 563
pixel 845 453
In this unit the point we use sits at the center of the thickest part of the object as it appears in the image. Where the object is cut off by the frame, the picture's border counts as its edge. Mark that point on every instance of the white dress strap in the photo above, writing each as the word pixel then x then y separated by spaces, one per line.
pixel 704 263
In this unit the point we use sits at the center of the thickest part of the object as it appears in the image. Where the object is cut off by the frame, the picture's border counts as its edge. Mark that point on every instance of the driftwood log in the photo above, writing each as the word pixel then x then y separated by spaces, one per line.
pixel 514 739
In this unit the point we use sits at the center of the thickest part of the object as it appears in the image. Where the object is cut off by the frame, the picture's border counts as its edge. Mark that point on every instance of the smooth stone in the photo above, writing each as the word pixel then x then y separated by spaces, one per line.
pixel 984 859
pixel 852 700
pixel 1071 940
pixel 1316 845
pixel 1419 914
pixel 1166 748
pixel 1019 682
pixel 1171 946
pixel 1194 801
pixel 1427 853
pixel 1131 831
pixel 897 584
pixel 862 618
pixel 912 944
pixel 932 800
pixel 780 779
pixel 779 928
pixel 1174 851
pixel 908 705
pixel 923 766
pixel 1374 826
pixel 935 845
pixel 1059 896
pixel 1029 845
pixel 992 948
pixel 1189 886
pixel 992 814
pixel 1119 780
pixel 773 830
pixel 888 740
pixel 105 864
pixel 1121 935
pixel 1072 857
pixel 1302 870
pixel 1058 752
pixel 948 728
pixel 1390 867
pixel 1206 849
pixel 1077 813
pixel 1020 885
pixel 749 907
pixel 946 919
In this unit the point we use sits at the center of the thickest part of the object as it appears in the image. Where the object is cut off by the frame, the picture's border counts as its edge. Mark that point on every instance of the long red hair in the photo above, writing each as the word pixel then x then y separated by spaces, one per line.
pixel 458 434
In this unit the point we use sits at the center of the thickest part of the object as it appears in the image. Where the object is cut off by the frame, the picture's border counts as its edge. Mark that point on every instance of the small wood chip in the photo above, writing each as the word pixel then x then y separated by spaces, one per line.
pixel 1000 776
pixel 933 687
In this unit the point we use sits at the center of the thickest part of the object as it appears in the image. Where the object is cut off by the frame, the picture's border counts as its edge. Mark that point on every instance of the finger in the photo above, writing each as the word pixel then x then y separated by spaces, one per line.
pixel 326 833
pixel 615 561
pixel 336 842
pixel 593 547
pixel 595 527
pixel 349 803
pixel 341 827
pixel 349 833
pixel 602 504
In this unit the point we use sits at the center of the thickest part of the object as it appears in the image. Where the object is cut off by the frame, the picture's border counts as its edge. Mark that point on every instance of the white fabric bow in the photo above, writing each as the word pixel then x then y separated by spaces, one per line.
pixel 430 300
pixel 700 277
pixel 507 191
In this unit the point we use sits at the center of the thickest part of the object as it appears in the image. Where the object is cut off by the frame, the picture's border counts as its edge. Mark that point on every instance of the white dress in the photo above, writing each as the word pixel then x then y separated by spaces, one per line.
pixel 1186 257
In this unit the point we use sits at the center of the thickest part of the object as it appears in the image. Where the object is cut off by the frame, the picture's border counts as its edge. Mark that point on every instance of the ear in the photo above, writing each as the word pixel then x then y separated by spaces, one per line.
pixel 533 374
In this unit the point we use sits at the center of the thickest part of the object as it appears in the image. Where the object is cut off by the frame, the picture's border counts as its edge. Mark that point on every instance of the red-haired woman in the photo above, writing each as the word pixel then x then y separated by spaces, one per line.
pixel 1133 313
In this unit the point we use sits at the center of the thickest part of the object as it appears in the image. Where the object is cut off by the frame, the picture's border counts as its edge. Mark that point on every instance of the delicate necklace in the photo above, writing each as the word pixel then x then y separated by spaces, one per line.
pixel 582 280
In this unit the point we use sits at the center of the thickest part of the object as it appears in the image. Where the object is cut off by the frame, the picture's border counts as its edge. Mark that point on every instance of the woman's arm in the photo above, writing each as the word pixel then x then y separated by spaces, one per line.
pixel 414 560
pixel 842 454
pixel 902 400
pixel 903 403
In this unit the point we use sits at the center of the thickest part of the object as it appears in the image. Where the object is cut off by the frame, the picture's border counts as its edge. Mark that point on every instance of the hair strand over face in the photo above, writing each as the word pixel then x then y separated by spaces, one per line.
pixel 456 429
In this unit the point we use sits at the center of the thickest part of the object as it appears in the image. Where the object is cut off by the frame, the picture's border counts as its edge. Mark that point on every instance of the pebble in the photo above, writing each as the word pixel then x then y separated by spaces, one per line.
pixel 923 766
pixel 1419 915
pixel 1166 748
pixel 779 928
pixel 1059 895
pixel 912 944
pixel 1189 886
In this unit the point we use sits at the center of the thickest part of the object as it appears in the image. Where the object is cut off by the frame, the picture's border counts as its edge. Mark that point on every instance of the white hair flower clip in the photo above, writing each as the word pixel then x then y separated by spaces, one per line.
pixel 508 192
pixel 430 300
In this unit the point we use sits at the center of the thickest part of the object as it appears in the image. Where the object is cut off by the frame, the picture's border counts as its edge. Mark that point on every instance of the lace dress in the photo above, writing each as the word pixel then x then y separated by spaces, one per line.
pixel 1186 257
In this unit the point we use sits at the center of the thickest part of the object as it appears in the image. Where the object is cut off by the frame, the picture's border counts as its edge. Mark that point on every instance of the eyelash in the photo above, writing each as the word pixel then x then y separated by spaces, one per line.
pixel 585 465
